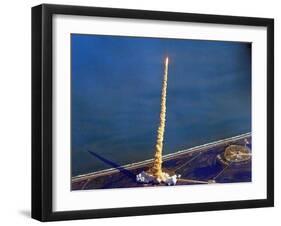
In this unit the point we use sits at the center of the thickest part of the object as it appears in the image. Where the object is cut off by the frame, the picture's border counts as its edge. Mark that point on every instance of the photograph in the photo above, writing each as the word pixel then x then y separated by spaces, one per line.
pixel 154 112
pixel 141 112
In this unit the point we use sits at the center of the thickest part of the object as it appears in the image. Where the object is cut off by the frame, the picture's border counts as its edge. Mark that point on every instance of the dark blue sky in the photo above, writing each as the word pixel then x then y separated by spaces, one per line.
pixel 116 87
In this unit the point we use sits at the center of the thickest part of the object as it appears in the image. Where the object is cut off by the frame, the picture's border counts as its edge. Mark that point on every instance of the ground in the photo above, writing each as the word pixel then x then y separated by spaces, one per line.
pixel 203 165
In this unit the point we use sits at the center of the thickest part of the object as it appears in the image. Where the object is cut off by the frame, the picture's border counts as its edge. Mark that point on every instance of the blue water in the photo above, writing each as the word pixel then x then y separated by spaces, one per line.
pixel 116 88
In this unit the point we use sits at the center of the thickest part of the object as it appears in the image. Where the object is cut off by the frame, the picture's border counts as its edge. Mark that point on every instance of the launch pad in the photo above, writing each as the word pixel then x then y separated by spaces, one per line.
pixel 197 165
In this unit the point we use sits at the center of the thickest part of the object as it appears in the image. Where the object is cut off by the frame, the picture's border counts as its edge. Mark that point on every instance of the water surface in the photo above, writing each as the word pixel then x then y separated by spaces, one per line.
pixel 116 88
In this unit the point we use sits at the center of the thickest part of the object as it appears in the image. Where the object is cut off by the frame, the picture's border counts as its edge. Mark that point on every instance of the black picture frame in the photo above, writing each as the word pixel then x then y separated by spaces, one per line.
pixel 42 106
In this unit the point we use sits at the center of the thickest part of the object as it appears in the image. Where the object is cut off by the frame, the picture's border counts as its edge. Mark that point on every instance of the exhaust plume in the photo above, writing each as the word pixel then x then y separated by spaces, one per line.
pixel 156 169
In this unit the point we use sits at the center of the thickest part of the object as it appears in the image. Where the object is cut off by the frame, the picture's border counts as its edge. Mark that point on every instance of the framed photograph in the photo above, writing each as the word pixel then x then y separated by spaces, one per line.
pixel 145 112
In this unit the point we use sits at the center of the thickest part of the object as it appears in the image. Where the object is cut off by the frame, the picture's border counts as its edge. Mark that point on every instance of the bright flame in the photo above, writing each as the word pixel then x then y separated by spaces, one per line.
pixel 167 61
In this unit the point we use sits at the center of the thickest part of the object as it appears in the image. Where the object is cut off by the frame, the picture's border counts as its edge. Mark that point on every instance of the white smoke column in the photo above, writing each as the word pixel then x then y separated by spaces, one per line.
pixel 156 169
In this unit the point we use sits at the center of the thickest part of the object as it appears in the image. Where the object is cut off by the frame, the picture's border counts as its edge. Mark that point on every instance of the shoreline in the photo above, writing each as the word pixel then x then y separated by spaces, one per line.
pixel 165 157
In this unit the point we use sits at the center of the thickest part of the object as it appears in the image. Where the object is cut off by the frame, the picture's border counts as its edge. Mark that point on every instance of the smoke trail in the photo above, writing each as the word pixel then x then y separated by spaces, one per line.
pixel 156 169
